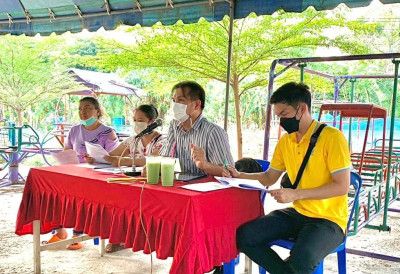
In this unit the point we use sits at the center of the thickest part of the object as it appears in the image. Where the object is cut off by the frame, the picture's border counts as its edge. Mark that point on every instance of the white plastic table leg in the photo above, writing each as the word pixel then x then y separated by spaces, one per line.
pixel 102 247
pixel 248 265
pixel 36 246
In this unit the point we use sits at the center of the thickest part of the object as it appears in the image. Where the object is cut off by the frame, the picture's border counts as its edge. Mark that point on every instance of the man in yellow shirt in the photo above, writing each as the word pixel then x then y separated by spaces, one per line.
pixel 317 220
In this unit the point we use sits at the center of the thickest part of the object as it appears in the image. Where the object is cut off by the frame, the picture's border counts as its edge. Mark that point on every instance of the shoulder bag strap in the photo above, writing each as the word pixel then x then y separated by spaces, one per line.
pixel 311 146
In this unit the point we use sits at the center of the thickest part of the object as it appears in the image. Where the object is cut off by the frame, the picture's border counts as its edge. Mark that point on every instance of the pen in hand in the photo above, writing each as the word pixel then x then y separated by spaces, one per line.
pixel 226 168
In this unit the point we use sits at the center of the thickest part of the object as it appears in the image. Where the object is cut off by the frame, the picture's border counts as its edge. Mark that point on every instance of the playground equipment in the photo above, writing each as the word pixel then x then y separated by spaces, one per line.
pixel 378 165
pixel 16 144
pixel 19 143
pixel 372 164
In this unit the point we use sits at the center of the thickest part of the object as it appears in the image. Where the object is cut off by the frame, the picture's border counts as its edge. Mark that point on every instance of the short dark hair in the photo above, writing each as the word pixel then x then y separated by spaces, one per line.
pixel 94 102
pixel 149 111
pixel 248 165
pixel 193 90
pixel 292 94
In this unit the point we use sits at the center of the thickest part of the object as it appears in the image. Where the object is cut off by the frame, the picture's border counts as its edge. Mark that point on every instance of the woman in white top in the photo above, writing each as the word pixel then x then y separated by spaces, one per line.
pixel 149 144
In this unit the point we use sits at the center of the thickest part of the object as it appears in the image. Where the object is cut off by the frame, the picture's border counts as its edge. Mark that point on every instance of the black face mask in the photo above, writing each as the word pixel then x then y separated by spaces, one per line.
pixel 290 124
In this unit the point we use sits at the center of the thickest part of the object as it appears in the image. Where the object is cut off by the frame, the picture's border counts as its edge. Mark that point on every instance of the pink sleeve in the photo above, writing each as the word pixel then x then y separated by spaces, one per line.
pixel 110 145
pixel 68 142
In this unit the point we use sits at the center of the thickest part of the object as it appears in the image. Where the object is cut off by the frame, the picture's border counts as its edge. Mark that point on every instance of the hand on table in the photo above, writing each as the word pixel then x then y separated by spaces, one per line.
pixel 144 172
pixel 225 172
pixel 233 172
pixel 113 160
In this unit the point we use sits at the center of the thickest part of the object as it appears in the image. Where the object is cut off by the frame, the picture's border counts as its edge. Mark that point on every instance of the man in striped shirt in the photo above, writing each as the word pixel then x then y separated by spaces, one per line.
pixel 201 146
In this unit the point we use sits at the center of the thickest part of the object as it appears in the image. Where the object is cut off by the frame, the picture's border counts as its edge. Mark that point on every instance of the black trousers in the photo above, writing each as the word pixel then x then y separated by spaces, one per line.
pixel 315 239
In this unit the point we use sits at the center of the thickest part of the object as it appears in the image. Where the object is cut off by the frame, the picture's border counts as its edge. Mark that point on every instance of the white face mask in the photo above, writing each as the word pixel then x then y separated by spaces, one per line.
pixel 139 127
pixel 179 111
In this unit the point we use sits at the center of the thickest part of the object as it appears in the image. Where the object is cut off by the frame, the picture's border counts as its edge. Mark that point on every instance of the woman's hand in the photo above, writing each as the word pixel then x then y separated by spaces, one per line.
pixel 144 172
pixel 113 160
pixel 88 159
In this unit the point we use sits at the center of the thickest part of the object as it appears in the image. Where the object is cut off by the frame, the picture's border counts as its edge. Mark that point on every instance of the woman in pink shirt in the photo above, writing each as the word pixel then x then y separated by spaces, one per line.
pixel 90 130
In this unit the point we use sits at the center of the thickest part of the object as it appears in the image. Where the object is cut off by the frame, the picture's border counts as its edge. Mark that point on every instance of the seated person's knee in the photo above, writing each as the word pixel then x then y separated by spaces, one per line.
pixel 303 262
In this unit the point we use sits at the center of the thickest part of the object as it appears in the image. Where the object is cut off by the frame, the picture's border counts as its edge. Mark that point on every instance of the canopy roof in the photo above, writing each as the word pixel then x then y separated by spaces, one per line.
pixel 103 83
pixel 47 16
pixel 355 110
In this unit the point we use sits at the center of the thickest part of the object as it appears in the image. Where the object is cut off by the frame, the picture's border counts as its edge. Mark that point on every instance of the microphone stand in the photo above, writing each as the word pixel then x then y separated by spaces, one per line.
pixel 134 172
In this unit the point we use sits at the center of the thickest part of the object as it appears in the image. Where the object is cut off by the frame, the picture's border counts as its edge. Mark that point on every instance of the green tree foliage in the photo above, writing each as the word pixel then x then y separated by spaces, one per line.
pixel 29 73
pixel 199 51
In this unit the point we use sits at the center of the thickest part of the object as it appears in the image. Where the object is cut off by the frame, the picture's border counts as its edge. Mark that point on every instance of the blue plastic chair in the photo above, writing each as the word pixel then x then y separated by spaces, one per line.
pixel 264 164
pixel 356 182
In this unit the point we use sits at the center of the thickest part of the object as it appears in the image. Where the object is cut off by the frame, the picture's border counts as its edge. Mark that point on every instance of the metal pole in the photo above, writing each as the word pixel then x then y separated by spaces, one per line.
pixel 396 63
pixel 302 66
pixel 352 81
pixel 13 168
pixel 228 70
pixel 336 95
pixel 268 112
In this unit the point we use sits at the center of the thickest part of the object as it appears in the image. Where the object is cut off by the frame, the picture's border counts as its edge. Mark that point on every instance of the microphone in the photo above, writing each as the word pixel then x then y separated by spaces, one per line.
pixel 149 128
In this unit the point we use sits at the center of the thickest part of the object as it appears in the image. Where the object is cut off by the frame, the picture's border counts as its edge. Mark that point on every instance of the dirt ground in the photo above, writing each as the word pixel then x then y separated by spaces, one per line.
pixel 16 253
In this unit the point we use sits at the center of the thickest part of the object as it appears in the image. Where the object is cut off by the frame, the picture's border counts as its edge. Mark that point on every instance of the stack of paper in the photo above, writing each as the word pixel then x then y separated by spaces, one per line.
pixel 204 187
pixel 66 157
pixel 95 165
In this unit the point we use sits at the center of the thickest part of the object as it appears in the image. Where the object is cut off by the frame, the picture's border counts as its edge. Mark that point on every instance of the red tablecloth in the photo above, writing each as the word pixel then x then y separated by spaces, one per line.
pixel 197 229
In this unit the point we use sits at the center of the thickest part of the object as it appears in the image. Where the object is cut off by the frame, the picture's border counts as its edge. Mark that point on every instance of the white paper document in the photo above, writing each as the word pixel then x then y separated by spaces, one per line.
pixel 94 165
pixel 66 157
pixel 205 187
pixel 241 183
pixel 97 152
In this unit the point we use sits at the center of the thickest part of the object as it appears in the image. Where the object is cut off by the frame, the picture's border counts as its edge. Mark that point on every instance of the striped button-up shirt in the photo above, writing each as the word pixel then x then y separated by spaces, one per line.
pixel 207 135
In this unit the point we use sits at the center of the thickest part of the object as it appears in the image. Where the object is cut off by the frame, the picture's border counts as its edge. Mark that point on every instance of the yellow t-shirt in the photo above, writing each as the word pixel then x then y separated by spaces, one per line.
pixel 330 155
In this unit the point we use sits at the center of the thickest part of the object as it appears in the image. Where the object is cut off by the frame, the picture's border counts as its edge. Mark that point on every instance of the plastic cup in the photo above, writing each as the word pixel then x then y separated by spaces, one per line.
pixel 167 171
pixel 153 169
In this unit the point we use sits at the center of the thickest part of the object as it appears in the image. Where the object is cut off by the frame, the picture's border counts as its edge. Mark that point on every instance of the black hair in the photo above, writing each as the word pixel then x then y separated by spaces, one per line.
pixel 293 94
pixel 149 111
pixel 248 165
pixel 193 90
pixel 94 102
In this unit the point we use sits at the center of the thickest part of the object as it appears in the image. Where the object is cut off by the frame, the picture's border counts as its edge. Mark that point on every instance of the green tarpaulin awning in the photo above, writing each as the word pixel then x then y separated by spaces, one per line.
pixel 46 16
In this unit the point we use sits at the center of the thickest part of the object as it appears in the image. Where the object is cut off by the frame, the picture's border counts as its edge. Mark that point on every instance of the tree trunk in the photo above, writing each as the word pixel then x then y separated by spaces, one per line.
pixel 11 114
pixel 30 115
pixel 2 114
pixel 19 115
pixel 238 116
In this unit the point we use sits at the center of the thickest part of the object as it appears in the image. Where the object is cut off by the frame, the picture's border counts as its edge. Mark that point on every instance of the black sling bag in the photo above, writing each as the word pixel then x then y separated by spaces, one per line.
pixel 285 182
